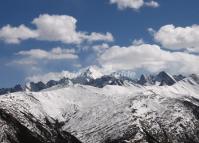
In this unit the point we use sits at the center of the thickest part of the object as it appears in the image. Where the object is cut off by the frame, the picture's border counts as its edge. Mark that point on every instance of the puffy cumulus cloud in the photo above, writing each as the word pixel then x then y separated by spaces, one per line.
pixel 57 28
pixel 134 4
pixel 60 28
pixel 55 54
pixel 176 38
pixel 147 57
pixel 14 35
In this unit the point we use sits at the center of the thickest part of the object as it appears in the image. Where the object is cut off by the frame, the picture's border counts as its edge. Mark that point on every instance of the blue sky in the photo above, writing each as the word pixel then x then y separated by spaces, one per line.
pixel 98 16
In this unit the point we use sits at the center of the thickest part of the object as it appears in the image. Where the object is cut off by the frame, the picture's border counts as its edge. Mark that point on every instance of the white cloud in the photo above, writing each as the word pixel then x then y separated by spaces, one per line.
pixel 122 4
pixel 67 74
pixel 51 76
pixel 77 65
pixel 138 42
pixel 98 37
pixel 152 4
pixel 151 31
pixel 27 65
pixel 55 54
pixel 24 62
pixel 14 35
pixel 134 4
pixel 36 61
pixel 99 49
pixel 60 28
pixel 57 28
pixel 148 57
pixel 176 38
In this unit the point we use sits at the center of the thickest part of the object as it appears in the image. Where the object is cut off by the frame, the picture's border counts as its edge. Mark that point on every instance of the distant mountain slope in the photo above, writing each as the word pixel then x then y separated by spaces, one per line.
pixel 110 114
pixel 94 78
pixel 17 88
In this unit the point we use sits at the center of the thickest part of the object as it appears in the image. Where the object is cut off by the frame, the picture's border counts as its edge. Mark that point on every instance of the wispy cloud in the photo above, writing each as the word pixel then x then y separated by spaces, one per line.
pixel 55 54
pixel 38 60
pixel 134 4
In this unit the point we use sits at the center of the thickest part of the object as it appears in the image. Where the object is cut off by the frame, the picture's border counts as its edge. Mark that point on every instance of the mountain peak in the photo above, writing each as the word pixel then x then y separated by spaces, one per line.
pixel 142 80
pixel 92 72
pixel 162 78
pixel 165 78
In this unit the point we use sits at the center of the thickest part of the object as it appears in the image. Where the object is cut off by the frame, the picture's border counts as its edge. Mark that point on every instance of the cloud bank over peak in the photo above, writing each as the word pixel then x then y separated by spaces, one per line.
pixel 149 58
pixel 143 57
pixel 58 28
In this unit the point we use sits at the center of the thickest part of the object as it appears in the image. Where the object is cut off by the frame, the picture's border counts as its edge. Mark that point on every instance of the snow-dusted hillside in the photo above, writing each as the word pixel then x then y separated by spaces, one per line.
pixel 112 114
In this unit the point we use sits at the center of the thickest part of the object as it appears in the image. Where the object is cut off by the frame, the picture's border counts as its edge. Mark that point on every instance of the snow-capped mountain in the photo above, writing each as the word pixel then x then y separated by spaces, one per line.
pixel 91 71
pixel 84 76
pixel 163 78
pixel 104 109
pixel 16 88
pixel 93 77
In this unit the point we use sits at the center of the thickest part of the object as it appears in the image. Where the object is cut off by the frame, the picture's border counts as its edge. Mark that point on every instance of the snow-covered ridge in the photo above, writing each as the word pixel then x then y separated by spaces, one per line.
pixel 113 113
pixel 94 77
pixel 92 71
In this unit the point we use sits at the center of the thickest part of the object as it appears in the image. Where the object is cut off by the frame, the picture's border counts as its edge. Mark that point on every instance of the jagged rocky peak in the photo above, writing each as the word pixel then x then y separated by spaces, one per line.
pixel 35 86
pixel 64 81
pixel 179 77
pixel 91 72
pixel 146 80
pixel 94 77
pixel 51 83
pixel 165 78
pixel 40 85
pixel 142 80
pixel 162 78
pixel 106 80
pixel 16 88
pixel 87 75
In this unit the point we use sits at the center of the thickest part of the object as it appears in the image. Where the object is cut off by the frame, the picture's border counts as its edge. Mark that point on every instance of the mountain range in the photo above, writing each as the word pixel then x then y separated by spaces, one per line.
pixel 92 77
pixel 95 108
